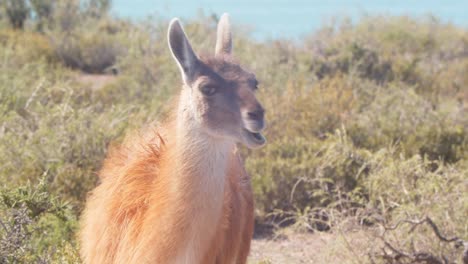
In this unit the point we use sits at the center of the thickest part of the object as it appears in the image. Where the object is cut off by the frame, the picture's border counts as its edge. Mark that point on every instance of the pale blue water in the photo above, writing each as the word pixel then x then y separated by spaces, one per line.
pixel 291 18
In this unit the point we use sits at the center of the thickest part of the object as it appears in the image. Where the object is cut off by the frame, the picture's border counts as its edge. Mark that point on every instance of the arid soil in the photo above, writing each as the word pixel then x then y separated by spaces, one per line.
pixel 316 248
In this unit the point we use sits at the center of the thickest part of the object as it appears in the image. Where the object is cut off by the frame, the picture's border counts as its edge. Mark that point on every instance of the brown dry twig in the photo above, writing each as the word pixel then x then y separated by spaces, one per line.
pixel 393 254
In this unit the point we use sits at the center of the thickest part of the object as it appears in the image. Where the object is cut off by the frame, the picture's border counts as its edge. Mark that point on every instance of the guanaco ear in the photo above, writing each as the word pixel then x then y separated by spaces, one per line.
pixel 182 51
pixel 223 38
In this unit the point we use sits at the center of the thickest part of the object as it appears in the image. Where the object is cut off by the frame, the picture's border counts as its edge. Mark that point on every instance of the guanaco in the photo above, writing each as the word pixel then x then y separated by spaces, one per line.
pixel 179 192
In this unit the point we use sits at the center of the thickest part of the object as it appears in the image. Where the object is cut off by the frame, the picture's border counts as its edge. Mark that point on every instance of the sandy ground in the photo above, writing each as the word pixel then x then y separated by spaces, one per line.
pixel 293 248
pixel 95 81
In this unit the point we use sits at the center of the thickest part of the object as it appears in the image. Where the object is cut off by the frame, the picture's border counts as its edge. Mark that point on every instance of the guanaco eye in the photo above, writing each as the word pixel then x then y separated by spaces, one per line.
pixel 208 90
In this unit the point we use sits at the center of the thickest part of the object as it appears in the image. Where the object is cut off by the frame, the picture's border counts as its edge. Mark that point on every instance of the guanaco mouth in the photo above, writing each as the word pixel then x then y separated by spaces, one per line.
pixel 256 137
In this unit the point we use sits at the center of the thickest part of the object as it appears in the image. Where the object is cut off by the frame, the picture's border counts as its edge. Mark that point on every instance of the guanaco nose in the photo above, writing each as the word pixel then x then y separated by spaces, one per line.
pixel 257 115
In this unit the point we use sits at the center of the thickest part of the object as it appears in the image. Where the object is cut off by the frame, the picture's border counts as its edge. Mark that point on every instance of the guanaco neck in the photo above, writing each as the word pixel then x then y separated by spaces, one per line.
pixel 201 159
pixel 200 165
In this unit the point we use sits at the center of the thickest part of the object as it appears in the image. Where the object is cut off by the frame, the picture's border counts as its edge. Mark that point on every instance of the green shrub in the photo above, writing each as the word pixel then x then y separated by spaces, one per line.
pixel 405 189
pixel 402 117
pixel 51 124
pixel 81 34
pixel 90 51
pixel 18 51
pixel 298 174
pixel 35 225
pixel 17 12
pixel 417 52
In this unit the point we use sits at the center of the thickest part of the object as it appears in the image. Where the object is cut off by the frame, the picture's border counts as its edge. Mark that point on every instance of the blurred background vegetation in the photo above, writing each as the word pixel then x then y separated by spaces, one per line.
pixel 367 121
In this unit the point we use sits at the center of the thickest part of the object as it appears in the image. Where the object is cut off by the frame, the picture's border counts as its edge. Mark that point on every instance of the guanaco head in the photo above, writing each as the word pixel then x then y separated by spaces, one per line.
pixel 218 93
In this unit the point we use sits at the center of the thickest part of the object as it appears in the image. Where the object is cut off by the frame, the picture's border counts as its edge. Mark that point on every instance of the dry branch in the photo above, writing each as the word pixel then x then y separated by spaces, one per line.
pixel 393 254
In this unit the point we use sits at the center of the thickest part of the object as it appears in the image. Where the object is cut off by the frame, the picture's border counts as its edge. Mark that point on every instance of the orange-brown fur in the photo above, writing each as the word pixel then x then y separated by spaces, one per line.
pixel 157 201
pixel 136 175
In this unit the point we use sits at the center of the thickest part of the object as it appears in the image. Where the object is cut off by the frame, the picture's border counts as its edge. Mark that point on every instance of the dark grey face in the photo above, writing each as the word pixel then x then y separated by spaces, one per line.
pixel 221 94
pixel 225 98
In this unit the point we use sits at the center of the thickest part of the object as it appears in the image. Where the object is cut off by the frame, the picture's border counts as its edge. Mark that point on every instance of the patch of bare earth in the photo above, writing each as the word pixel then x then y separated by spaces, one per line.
pixel 320 247
pixel 95 81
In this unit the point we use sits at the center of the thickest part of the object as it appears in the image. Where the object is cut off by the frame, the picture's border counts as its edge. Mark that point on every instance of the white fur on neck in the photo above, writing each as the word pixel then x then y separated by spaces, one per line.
pixel 205 159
